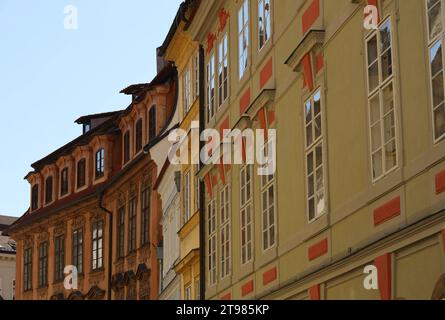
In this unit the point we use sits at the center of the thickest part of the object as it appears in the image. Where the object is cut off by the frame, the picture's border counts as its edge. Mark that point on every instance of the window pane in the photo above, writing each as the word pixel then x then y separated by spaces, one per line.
pixel 438 91
pixel 436 58
pixel 388 99
pixel 373 74
pixel 434 17
pixel 439 121
pixel 375 109
pixel 377 165
pixel 372 50
pixel 376 137
pixel 390 155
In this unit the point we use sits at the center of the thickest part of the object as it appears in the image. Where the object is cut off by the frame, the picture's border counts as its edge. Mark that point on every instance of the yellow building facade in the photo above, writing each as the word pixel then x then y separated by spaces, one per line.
pixel 180 49
pixel 360 152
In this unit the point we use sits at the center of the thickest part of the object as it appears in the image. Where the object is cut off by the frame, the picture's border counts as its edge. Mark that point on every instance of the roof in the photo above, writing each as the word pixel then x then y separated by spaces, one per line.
pixel 7 220
pixel 87 118
pixel 180 16
pixel 135 88
pixel 108 127
pixel 7 245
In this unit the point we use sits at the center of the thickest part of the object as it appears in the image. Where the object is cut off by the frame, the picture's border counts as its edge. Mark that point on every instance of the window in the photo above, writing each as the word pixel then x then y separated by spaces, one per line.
pixel 187 90
pixel 263 22
pixel 35 197
pixel 59 259
pixel 186 197
pixel 43 264
pixel 246 214
pixel 316 202
pixel 64 182
pixel 152 123
pixel 435 43
pixel 81 173
pixel 243 36
pixel 212 242
pixel 382 118
pixel 211 88
pixel 97 253
pixel 145 205
pixel 86 127
pixel 196 75
pixel 132 226
pixel 121 232
pixel 27 269
pixel 100 163
pixel 188 292
pixel 268 211
pixel 49 190
pixel 138 135
pixel 224 237
pixel 223 70
pixel 127 146
pixel 77 253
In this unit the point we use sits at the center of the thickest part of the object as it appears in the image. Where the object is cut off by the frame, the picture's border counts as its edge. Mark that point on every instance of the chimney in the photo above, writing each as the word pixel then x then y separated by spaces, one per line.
pixel 160 60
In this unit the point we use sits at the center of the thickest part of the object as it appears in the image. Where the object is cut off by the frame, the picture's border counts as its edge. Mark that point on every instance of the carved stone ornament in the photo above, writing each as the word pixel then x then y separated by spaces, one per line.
pixel 60 229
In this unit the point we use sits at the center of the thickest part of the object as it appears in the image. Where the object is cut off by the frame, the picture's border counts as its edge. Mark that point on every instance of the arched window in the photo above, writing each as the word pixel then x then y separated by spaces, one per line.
pixel 100 163
pixel 81 173
pixel 152 123
pixel 35 197
pixel 49 190
pixel 138 135
pixel 127 146
pixel 64 185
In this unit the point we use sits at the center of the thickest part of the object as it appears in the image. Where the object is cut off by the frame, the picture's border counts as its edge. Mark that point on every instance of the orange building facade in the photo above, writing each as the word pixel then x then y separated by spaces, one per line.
pixel 92 205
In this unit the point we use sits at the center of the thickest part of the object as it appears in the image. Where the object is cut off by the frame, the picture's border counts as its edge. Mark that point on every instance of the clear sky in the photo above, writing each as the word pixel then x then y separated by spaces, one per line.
pixel 49 76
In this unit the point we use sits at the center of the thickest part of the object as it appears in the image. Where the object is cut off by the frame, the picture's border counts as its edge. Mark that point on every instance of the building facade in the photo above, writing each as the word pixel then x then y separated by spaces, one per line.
pixel 184 52
pixel 93 205
pixel 7 260
pixel 359 127
pixel 352 118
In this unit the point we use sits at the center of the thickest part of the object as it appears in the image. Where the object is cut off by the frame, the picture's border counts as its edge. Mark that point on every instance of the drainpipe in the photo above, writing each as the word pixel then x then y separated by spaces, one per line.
pixel 110 243
pixel 202 239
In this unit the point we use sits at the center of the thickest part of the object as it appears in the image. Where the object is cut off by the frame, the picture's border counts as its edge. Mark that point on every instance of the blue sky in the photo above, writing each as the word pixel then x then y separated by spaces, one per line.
pixel 49 76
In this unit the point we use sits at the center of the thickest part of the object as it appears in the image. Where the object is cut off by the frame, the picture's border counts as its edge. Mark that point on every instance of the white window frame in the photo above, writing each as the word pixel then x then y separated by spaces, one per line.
pixel 437 39
pixel 212 243
pixel 223 69
pixel 266 17
pixel 188 292
pixel 312 170
pixel 247 214
pixel 268 226
pixel 187 90
pixel 186 197
pixel 225 233
pixel 243 38
pixel 211 88
pixel 378 92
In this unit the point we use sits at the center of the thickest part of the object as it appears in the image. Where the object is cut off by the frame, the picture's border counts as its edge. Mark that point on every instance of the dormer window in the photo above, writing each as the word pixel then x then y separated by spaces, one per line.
pixel 127 146
pixel 138 135
pixel 100 163
pixel 81 170
pixel 86 127
pixel 152 123
pixel 49 190
pixel 64 186
pixel 35 197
